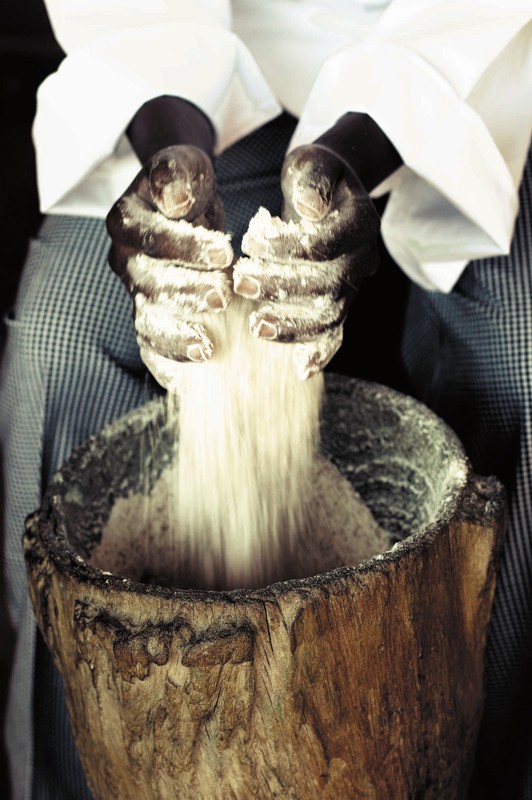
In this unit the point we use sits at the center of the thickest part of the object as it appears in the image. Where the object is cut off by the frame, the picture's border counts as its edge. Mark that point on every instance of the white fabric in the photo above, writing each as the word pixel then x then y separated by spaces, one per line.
pixel 449 81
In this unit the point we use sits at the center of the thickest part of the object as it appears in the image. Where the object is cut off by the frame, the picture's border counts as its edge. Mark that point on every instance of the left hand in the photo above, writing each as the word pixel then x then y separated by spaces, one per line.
pixel 306 269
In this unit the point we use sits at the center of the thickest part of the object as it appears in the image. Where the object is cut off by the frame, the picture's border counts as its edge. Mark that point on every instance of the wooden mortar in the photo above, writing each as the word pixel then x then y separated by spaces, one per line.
pixel 365 682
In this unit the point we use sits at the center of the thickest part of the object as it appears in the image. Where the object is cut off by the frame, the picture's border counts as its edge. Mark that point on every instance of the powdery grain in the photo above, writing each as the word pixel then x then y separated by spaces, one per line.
pixel 249 501
pixel 139 540
pixel 248 431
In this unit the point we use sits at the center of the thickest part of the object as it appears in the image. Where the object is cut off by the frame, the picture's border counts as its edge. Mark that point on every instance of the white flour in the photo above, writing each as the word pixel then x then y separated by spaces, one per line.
pixel 141 540
pixel 249 501
pixel 247 430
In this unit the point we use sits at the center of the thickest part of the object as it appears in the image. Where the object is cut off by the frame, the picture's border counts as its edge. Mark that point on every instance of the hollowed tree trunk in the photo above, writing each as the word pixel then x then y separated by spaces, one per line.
pixel 365 682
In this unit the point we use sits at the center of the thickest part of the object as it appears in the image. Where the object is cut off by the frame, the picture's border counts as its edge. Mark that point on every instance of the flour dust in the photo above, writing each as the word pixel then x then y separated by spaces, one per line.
pixel 247 429
pixel 248 500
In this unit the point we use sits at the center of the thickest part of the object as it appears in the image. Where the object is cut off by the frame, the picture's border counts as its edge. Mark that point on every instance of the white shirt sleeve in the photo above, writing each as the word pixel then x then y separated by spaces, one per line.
pixel 121 53
pixel 450 83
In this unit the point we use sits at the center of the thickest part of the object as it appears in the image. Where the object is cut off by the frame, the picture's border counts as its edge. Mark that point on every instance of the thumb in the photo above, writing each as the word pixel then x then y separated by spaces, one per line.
pixel 182 181
pixel 308 180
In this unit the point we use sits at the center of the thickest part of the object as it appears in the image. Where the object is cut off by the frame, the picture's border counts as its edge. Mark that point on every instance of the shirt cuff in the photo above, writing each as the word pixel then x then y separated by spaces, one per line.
pixel 454 199
pixel 84 108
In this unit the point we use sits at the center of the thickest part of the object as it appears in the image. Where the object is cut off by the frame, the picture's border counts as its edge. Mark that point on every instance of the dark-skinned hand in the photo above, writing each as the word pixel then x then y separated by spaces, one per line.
pixel 306 269
pixel 169 249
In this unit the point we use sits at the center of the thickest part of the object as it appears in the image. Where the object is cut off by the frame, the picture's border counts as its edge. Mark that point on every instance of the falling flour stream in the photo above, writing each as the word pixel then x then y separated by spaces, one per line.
pixel 249 500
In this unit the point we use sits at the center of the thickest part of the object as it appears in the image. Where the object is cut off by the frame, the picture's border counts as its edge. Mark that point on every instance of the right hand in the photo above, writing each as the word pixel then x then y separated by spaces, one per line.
pixel 169 249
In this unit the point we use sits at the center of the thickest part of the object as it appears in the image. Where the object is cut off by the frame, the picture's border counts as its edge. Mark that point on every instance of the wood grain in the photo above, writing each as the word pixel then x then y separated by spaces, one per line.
pixel 362 683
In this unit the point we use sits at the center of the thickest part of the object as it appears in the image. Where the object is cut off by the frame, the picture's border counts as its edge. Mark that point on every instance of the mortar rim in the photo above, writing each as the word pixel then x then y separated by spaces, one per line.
pixel 70 564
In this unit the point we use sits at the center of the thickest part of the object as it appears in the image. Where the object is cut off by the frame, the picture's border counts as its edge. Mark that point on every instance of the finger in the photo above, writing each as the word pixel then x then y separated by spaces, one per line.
pixel 308 180
pixel 188 291
pixel 312 357
pixel 346 227
pixel 166 371
pixel 169 335
pixel 133 224
pixel 257 279
pixel 301 322
pixel 182 183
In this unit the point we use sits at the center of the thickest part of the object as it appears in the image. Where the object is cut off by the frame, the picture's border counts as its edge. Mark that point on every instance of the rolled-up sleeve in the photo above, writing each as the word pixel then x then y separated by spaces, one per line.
pixel 450 84
pixel 114 64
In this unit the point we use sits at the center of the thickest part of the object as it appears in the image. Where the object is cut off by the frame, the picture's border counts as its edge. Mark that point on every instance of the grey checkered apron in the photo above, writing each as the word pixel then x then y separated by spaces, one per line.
pixel 72 365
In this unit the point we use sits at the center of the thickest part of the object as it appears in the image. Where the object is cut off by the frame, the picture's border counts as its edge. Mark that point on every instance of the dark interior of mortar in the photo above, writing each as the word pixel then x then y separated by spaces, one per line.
pixel 407 466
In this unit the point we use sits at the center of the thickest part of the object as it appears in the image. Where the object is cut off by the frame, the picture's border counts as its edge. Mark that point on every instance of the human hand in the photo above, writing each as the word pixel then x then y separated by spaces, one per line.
pixel 169 249
pixel 306 269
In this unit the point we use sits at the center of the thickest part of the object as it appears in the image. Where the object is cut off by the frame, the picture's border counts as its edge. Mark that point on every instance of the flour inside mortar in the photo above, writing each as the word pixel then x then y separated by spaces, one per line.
pixel 137 540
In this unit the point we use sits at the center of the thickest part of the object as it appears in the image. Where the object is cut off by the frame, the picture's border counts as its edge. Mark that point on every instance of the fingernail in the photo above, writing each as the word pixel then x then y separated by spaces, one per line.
pixel 310 204
pixel 171 188
pixel 217 257
pixel 247 287
pixel 177 203
pixel 215 300
pixel 265 330
pixel 198 353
